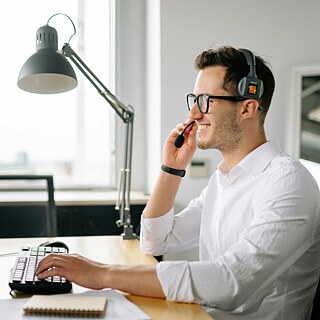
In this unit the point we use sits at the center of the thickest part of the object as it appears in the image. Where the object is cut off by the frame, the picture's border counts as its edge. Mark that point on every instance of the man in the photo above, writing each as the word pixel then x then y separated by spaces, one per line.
pixel 256 223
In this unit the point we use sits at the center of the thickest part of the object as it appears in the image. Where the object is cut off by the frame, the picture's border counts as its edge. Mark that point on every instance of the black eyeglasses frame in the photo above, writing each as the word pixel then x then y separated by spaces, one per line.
pixel 208 97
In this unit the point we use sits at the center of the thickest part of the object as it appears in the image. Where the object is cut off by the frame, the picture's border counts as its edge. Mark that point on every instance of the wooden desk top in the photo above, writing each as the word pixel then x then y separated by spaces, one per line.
pixel 106 249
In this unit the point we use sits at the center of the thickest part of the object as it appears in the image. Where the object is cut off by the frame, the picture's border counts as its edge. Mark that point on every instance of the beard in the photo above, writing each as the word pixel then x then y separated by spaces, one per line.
pixel 225 135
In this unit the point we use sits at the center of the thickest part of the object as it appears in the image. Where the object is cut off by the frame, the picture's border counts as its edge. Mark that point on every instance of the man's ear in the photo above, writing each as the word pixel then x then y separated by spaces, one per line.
pixel 249 108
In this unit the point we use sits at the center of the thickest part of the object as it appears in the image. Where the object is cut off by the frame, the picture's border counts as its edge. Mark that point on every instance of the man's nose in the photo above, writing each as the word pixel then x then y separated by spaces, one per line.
pixel 194 113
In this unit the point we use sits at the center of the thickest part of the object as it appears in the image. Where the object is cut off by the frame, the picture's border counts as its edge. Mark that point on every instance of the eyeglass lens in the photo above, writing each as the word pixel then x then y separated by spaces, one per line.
pixel 201 102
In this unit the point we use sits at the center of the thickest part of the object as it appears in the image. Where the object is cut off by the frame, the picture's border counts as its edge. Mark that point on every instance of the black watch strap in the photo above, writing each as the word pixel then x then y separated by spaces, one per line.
pixel 176 172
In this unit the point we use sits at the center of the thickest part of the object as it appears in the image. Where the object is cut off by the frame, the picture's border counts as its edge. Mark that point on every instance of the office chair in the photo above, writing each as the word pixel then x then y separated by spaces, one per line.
pixel 315 315
pixel 28 218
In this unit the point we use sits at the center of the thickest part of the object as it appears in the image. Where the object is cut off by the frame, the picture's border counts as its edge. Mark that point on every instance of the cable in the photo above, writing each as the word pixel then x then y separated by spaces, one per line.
pixel 63 14
pixel 8 254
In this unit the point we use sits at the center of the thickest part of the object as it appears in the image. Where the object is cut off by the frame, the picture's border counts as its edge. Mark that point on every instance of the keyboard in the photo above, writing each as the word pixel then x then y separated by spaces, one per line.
pixel 23 278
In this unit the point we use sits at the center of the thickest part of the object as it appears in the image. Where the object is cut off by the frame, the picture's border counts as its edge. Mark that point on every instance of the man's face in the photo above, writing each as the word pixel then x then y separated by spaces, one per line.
pixel 220 127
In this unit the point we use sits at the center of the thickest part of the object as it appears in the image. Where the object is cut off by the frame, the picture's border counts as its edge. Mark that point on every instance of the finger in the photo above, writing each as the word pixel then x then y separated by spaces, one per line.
pixel 190 136
pixel 52 272
pixel 179 128
pixel 52 260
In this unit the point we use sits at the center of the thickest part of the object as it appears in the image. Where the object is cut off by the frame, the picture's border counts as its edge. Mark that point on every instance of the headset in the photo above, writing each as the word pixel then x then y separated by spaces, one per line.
pixel 250 86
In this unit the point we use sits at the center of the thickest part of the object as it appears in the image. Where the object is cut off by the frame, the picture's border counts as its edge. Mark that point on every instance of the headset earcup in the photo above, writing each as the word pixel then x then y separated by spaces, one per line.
pixel 251 88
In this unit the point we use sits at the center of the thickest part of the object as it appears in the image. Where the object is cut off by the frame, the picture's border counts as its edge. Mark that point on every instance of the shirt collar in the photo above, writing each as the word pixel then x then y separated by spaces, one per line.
pixel 257 160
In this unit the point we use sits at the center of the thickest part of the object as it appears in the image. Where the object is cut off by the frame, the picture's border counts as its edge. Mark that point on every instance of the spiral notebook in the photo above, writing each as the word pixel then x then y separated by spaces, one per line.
pixel 67 305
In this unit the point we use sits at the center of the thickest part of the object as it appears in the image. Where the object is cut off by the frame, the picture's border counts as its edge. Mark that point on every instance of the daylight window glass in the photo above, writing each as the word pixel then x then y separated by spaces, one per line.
pixel 69 135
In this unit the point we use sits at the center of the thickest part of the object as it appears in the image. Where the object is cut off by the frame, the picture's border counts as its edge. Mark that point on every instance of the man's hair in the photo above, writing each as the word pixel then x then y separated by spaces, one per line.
pixel 237 67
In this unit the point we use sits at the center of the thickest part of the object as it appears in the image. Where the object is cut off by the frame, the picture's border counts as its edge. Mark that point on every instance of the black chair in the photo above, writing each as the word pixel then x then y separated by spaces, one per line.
pixel 315 315
pixel 28 218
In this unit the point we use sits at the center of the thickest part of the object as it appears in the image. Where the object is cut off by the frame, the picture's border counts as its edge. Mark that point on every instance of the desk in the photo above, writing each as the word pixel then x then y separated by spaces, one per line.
pixel 107 249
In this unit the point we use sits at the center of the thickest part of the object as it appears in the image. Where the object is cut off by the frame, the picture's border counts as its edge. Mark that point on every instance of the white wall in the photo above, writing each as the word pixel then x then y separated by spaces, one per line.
pixel 284 32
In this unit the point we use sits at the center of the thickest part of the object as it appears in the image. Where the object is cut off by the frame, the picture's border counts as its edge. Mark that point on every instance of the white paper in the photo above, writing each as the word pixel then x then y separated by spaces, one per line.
pixel 118 308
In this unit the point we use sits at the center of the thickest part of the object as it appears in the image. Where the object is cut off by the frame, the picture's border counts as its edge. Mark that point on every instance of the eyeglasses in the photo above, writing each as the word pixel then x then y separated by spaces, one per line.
pixel 203 100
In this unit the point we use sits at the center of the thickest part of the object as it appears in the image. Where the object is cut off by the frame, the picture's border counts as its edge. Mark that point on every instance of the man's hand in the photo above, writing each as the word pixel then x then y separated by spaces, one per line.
pixel 140 280
pixel 75 268
pixel 179 158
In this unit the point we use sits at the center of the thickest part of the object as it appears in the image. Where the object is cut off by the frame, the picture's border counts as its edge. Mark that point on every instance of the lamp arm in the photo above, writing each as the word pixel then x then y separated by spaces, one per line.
pixel 123 111
pixel 126 113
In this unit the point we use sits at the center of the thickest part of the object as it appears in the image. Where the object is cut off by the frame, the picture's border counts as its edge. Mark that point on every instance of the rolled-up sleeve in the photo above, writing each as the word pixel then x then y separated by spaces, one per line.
pixel 154 231
pixel 172 232
pixel 176 281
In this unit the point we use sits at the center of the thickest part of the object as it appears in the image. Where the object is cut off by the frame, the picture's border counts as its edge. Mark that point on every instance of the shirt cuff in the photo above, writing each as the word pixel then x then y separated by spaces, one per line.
pixel 175 280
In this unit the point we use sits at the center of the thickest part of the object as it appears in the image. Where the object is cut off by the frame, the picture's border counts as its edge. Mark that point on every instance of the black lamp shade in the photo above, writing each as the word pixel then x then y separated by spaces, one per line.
pixel 47 71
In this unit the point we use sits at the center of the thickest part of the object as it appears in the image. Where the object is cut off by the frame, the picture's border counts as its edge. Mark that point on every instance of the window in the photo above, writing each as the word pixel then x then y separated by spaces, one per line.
pixel 304 117
pixel 310 118
pixel 70 135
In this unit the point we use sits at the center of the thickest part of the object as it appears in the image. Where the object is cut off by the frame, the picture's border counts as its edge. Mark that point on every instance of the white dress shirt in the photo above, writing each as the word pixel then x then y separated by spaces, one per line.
pixel 258 231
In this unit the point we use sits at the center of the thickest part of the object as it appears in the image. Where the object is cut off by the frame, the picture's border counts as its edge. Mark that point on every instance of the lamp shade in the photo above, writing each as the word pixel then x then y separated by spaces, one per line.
pixel 47 71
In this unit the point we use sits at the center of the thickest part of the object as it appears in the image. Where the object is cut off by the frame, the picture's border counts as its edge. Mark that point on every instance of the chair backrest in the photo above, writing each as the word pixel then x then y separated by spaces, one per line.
pixel 315 315
pixel 11 214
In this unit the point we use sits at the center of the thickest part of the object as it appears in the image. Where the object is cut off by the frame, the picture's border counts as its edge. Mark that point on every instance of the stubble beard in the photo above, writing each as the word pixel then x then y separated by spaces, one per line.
pixel 225 136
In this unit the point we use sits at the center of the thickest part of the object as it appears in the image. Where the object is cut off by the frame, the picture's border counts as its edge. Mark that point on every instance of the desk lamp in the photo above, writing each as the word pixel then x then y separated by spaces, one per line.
pixel 48 71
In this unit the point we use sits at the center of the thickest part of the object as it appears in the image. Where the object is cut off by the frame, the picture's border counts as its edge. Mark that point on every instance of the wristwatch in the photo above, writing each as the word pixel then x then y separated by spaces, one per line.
pixel 176 172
